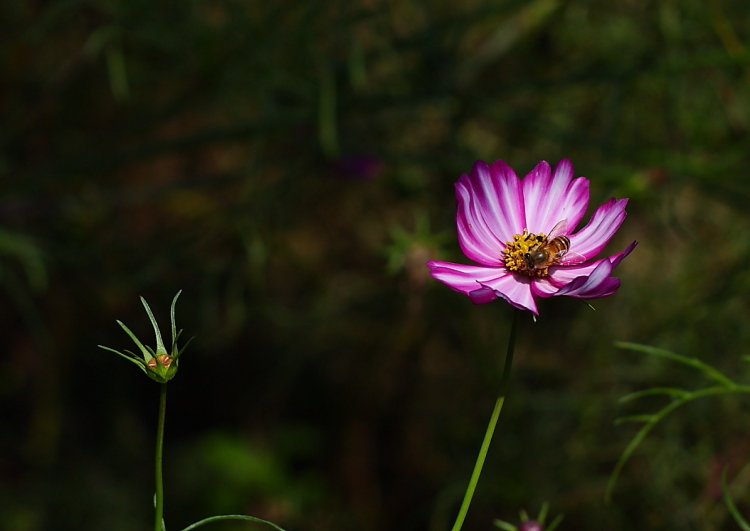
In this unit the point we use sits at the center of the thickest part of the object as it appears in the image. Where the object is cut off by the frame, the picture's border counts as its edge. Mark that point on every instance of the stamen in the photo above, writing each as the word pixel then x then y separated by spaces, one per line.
pixel 521 245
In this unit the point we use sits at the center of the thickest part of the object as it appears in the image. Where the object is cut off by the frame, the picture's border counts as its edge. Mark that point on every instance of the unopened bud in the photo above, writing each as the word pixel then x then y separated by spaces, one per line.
pixel 156 363
pixel 530 525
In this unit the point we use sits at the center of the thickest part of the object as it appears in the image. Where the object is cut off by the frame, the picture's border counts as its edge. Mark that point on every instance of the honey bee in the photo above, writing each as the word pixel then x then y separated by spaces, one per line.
pixel 551 251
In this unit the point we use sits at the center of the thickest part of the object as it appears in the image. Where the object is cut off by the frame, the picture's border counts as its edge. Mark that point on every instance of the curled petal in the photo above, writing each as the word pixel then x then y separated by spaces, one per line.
pixel 485 284
pixel 598 284
pixel 592 238
pixel 550 197
pixel 515 289
pixel 482 295
pixel 562 275
pixel 588 281
pixel 544 287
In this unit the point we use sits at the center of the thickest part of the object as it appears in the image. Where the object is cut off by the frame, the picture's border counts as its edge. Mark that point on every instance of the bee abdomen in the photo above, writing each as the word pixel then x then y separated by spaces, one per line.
pixel 561 244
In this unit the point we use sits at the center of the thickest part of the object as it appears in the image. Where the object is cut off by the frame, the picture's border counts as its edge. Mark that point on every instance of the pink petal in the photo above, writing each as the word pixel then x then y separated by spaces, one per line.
pixel 497 194
pixel 476 239
pixel 463 278
pixel 562 275
pixel 617 258
pixel 586 281
pixel 598 284
pixel 482 295
pixel 515 289
pixel 552 197
pixel 592 238
pixel 544 287
pixel 485 284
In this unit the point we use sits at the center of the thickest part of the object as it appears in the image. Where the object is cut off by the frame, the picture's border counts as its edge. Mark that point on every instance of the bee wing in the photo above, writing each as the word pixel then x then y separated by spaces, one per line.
pixel 572 259
pixel 561 229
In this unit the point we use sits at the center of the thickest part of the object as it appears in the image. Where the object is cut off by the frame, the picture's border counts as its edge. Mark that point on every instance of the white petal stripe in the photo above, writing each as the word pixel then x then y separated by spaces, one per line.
pixel 552 197
pixel 476 239
pixel 591 239
pixel 498 196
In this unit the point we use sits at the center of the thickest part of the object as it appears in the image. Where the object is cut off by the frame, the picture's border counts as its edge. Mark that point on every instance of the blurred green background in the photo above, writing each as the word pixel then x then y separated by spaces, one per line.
pixel 290 166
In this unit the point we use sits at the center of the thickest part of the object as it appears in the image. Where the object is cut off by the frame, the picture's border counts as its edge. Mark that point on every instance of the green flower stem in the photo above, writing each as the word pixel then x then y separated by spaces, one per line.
pixel 158 526
pixel 490 427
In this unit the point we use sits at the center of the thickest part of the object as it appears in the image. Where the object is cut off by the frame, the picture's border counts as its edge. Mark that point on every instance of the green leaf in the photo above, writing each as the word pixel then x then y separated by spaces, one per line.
pixel 635 441
pixel 709 371
pixel 634 418
pixel 670 391
pixel 656 417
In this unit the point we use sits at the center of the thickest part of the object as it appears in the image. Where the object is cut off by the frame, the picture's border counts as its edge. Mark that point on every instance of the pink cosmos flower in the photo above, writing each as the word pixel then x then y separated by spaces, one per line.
pixel 521 232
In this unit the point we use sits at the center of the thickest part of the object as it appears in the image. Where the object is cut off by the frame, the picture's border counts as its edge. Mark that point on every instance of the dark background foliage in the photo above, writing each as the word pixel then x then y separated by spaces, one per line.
pixel 290 166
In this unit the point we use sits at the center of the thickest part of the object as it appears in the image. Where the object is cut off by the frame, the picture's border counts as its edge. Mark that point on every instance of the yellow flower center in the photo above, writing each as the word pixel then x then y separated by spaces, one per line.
pixel 518 255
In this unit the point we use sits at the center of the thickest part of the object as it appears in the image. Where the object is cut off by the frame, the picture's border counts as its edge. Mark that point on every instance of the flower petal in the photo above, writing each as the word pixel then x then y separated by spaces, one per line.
pixel 485 284
pixel 562 275
pixel 463 278
pixel 482 295
pixel 515 289
pixel 496 192
pixel 544 287
pixel 592 238
pixel 552 197
pixel 587 281
pixel 475 238
pixel 598 284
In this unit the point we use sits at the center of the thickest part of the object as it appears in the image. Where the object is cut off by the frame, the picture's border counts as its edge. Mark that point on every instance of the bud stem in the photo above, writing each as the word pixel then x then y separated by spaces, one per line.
pixel 159 503
pixel 490 427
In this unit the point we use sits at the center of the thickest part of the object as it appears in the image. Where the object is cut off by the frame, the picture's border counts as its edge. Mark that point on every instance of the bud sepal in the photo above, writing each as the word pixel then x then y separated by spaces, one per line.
pixel 529 524
pixel 160 365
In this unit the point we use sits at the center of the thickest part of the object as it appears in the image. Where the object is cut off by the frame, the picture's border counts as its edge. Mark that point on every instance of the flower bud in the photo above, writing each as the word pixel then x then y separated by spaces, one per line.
pixel 530 525
pixel 158 364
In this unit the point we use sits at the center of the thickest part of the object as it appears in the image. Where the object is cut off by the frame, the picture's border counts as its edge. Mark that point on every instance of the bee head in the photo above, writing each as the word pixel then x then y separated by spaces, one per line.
pixel 533 258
